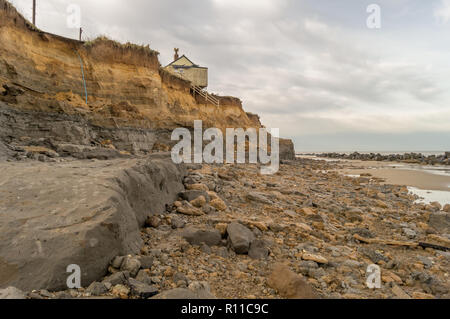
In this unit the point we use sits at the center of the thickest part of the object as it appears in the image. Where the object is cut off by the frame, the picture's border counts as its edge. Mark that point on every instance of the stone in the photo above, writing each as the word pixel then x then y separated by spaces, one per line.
pixel 239 237
pixel 198 202
pixel 11 293
pixel 399 293
pixel 189 210
pixel 144 277
pixel 120 291
pixel 100 224
pixel 446 208
pixel 196 290
pixel 142 290
pixel 146 262
pixel 440 221
pixel 153 221
pixel 259 198
pixel 436 205
pixel 177 222
pixel 194 194
pixel 290 285
pixel 97 289
pixel 117 262
pixel 210 237
pixel 258 249
pixel 117 278
pixel 218 204
pixel 317 258
pixel 411 234
pixel 131 264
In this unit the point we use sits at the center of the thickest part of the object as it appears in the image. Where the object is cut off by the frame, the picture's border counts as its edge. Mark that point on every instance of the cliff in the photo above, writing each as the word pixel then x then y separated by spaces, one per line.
pixel 132 103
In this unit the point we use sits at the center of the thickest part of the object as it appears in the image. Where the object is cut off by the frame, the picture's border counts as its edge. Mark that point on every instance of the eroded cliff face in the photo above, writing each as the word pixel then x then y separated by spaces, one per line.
pixel 131 101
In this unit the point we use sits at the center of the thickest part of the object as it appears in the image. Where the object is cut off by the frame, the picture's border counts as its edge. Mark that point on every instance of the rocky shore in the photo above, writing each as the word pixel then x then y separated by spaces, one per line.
pixel 413 158
pixel 305 232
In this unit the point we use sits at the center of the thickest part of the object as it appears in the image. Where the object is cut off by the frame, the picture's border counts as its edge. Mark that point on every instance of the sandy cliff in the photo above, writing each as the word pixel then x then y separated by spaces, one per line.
pixel 127 91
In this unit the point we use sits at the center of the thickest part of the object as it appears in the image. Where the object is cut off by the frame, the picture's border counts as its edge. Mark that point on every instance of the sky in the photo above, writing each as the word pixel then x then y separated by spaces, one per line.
pixel 315 69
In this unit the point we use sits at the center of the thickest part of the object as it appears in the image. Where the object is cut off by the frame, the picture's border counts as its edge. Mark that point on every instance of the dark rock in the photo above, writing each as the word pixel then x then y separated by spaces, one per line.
pixel 146 262
pixel 144 277
pixel 131 265
pixel 440 221
pixel 239 237
pixel 97 289
pixel 108 206
pixel 210 237
pixel 119 278
pixel 142 290
pixel 258 249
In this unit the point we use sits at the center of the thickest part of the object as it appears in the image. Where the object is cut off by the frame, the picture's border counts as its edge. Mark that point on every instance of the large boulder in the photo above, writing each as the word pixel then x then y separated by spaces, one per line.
pixel 83 213
pixel 240 237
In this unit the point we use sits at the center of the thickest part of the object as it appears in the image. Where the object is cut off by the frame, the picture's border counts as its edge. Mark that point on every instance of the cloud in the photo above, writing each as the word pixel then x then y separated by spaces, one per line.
pixel 442 12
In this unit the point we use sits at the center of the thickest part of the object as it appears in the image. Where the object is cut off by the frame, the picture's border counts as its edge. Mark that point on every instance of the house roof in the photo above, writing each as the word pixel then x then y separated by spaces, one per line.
pixel 185 66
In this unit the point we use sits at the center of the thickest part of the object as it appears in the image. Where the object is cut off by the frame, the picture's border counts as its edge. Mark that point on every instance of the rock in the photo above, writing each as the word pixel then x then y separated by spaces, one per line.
pixel 196 290
pixel 210 237
pixel 259 198
pixel 131 264
pixel 411 234
pixel 117 278
pixel 258 249
pixel 146 262
pixel 144 277
pixel 218 204
pixel 440 221
pixel 289 284
pixel 142 290
pixel 97 289
pixel 197 187
pixel 108 206
pixel 422 295
pixel 446 208
pixel 177 222
pixel 198 202
pixel 317 258
pixel 117 262
pixel 120 291
pixel 399 293
pixel 179 276
pixel 240 237
pixel 153 221
pixel 11 293
pixel 194 194
pixel 436 205
pixel 189 210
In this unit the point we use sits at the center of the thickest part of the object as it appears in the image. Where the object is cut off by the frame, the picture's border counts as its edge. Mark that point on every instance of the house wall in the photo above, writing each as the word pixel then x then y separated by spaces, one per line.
pixel 198 76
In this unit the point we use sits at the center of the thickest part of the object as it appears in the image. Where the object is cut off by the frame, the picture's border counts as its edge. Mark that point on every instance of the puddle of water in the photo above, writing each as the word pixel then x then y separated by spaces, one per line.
pixel 435 170
pixel 427 196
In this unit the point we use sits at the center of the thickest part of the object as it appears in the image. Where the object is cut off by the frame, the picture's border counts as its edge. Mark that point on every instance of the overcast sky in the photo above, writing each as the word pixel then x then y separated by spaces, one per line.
pixel 312 68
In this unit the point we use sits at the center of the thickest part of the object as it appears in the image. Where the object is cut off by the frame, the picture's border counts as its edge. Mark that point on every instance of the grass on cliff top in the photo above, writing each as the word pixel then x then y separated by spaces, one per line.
pixel 11 10
pixel 124 46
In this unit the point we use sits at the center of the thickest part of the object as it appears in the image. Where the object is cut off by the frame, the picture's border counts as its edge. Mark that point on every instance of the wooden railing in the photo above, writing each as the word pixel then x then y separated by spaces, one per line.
pixel 208 97
pixel 203 93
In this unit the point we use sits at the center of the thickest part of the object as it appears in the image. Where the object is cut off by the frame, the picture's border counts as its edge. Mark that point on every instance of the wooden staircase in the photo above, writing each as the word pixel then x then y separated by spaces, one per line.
pixel 203 93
